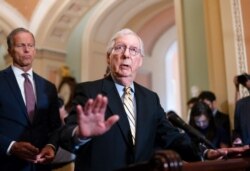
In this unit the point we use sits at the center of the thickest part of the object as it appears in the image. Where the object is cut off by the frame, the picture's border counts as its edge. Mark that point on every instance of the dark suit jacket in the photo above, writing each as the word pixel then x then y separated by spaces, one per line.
pixel 14 122
pixel 115 149
pixel 241 120
pixel 223 123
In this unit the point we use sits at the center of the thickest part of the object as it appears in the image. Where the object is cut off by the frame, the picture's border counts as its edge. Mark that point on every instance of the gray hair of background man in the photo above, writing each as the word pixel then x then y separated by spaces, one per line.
pixel 14 32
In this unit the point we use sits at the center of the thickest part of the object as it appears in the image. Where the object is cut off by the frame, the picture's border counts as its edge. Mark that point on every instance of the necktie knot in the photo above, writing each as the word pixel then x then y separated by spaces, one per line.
pixel 26 76
pixel 127 90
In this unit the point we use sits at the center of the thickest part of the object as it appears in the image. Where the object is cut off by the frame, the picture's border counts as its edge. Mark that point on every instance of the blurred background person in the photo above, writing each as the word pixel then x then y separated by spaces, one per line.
pixel 221 119
pixel 244 80
pixel 201 118
pixel 241 110
pixel 241 135
pixel 190 104
pixel 29 116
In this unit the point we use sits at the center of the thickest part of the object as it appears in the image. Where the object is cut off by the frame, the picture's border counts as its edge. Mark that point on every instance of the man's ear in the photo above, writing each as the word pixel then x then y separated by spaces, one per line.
pixel 10 52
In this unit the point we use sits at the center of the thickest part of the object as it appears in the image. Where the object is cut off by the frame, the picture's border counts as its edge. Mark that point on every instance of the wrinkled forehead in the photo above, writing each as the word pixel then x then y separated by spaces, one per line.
pixel 128 39
pixel 21 36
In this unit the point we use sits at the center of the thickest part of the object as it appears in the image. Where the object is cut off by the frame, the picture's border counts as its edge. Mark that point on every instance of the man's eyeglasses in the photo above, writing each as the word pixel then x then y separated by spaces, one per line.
pixel 120 49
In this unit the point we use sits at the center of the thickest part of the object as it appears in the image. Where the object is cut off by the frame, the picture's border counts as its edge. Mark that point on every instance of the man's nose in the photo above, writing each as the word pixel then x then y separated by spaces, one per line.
pixel 26 48
pixel 126 52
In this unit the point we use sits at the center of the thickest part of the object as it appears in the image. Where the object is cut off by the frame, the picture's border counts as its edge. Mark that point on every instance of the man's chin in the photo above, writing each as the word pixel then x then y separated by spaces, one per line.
pixel 123 75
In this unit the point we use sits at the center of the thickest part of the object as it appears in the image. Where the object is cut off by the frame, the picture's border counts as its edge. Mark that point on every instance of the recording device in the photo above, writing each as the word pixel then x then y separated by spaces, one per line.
pixel 242 79
pixel 178 122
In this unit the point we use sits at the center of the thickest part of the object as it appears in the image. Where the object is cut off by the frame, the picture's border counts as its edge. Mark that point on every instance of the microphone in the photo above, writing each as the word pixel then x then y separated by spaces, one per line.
pixel 177 121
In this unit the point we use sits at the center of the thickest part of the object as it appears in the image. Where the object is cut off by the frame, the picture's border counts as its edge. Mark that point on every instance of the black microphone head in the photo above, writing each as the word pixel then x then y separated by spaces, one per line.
pixel 176 120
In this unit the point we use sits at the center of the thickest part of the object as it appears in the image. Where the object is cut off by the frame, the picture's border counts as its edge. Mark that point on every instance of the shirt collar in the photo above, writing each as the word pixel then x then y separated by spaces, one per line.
pixel 18 72
pixel 120 88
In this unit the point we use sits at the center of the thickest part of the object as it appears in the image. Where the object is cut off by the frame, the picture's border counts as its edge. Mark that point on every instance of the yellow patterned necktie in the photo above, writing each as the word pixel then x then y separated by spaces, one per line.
pixel 129 108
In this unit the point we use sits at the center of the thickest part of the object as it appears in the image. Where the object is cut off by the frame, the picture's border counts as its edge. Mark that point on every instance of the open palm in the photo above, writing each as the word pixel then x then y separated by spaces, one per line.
pixel 91 118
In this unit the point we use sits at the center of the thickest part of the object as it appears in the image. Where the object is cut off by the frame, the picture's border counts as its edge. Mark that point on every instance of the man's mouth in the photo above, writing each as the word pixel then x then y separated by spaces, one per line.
pixel 124 66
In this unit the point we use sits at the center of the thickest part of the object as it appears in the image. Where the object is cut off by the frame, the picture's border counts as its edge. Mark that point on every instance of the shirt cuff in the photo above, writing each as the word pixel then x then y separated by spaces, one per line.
pixel 79 141
pixel 52 146
pixel 8 150
pixel 205 154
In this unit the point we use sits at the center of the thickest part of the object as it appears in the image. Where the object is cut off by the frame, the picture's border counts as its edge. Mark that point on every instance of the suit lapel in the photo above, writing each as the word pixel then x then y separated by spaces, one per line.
pixel 12 82
pixel 40 94
pixel 143 121
pixel 116 107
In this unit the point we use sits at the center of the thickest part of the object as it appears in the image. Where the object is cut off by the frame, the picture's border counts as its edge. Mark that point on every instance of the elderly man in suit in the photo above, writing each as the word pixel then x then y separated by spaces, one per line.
pixel 109 130
pixel 29 114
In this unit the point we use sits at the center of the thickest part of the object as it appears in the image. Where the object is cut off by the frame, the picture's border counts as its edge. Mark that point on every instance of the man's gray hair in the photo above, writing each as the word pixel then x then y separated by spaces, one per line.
pixel 124 32
pixel 10 37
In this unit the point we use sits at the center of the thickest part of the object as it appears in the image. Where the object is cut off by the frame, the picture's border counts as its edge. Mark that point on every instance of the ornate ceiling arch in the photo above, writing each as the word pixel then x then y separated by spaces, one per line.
pixel 52 21
pixel 9 19
pixel 56 27
pixel 139 15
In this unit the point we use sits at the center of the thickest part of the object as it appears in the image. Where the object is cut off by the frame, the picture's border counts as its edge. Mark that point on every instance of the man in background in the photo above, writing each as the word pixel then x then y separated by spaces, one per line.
pixel 241 132
pixel 29 115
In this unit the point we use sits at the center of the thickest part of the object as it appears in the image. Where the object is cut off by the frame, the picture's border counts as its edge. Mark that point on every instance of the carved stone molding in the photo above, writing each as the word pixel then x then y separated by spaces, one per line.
pixel 60 22
pixel 239 36
pixel 239 39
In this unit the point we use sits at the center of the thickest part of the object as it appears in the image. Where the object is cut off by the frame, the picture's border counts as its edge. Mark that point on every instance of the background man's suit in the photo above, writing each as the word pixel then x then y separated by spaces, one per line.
pixel 115 149
pixel 14 121
pixel 241 120
pixel 222 121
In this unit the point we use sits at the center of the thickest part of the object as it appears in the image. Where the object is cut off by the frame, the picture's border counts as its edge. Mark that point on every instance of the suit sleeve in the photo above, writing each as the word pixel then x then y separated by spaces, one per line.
pixel 67 141
pixel 5 142
pixel 237 121
pixel 171 138
pixel 54 118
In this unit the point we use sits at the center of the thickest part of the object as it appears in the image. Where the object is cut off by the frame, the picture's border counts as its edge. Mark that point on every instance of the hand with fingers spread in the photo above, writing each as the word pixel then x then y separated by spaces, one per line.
pixel 91 118
pixel 25 151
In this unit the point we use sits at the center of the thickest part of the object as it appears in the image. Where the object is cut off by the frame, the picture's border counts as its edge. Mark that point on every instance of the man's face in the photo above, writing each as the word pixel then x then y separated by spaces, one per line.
pixel 125 57
pixel 23 50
